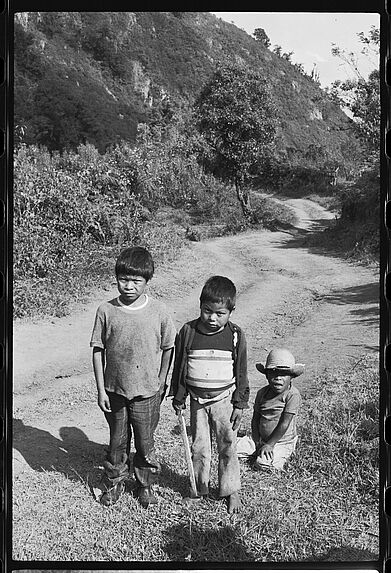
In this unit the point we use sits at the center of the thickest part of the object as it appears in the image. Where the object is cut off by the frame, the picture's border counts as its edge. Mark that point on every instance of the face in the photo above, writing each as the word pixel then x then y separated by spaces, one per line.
pixel 278 380
pixel 130 287
pixel 214 316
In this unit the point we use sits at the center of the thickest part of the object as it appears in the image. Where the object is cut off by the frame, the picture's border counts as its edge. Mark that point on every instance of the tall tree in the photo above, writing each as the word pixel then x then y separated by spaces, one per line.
pixel 237 119
pixel 361 96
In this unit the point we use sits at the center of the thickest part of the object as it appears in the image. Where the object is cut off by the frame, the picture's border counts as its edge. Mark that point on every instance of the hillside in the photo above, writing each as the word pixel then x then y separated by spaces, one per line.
pixel 92 77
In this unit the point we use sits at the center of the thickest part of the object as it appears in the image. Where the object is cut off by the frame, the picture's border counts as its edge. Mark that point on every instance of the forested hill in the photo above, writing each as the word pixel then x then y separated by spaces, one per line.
pixel 94 76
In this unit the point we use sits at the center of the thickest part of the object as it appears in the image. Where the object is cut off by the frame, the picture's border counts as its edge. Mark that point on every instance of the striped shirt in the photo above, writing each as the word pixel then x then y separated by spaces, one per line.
pixel 210 366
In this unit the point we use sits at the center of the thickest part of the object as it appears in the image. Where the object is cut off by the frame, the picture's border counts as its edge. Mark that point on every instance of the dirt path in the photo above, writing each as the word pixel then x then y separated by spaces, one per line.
pixel 324 309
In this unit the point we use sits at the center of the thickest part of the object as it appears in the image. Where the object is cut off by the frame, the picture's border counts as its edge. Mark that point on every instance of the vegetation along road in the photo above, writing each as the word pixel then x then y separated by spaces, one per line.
pixel 321 307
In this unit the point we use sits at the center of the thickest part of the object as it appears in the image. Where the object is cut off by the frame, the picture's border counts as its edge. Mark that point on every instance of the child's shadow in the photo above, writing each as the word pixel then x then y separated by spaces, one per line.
pixel 73 455
pixel 191 542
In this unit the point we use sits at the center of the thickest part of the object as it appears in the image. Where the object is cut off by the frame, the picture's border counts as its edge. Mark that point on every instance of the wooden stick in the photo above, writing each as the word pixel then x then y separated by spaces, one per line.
pixel 185 439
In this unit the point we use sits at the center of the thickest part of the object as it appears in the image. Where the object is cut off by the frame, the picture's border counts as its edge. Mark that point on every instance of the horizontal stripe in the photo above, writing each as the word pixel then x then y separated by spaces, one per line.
pixel 210 353
pixel 212 358
pixel 212 384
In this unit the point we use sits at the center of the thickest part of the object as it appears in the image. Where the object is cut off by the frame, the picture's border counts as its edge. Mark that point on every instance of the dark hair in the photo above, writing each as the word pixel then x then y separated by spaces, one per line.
pixel 219 289
pixel 135 261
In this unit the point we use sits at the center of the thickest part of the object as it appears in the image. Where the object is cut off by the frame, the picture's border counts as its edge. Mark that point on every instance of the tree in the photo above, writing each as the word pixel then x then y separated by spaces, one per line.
pixel 277 50
pixel 261 36
pixel 287 56
pixel 361 96
pixel 237 119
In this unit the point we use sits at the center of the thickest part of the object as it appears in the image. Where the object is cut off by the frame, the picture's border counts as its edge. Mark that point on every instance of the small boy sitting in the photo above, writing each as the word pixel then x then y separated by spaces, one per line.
pixel 273 424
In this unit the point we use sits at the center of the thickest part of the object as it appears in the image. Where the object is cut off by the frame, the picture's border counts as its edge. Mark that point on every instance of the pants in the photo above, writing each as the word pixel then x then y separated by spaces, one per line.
pixel 203 419
pixel 140 415
pixel 281 453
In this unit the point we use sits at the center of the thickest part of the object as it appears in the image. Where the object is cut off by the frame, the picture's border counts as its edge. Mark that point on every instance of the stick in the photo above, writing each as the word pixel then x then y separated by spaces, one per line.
pixel 185 439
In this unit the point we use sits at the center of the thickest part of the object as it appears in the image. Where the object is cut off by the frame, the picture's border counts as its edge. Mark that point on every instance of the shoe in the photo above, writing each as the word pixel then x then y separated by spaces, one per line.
pixel 146 497
pixel 112 495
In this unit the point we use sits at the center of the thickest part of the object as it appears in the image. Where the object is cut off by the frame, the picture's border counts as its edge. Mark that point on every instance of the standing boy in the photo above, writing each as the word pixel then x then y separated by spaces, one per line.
pixel 276 407
pixel 132 340
pixel 211 366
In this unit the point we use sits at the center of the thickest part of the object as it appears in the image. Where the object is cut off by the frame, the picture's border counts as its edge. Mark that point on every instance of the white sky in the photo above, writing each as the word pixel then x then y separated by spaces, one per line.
pixel 310 37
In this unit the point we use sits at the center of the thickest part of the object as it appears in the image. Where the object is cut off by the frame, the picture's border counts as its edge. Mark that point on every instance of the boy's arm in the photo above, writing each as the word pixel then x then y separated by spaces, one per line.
pixel 242 392
pixel 98 362
pixel 256 436
pixel 277 434
pixel 255 424
pixel 177 389
pixel 165 364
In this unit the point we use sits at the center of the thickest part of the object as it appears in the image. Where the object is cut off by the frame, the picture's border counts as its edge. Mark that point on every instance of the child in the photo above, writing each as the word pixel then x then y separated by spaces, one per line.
pixel 132 340
pixel 211 365
pixel 276 406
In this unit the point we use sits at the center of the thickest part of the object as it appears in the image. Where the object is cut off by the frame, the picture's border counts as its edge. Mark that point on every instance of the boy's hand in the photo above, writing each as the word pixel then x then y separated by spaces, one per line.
pixel 236 417
pixel 267 451
pixel 104 402
pixel 178 406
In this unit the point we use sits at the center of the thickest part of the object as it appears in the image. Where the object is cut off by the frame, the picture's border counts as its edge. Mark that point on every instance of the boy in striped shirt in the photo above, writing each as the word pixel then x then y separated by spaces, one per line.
pixel 211 366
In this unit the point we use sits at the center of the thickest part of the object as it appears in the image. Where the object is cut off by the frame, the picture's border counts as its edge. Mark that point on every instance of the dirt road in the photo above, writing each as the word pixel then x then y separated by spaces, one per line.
pixel 324 309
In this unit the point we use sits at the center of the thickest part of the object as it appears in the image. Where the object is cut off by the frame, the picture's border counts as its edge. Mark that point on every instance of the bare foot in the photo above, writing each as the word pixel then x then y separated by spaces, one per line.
pixel 234 503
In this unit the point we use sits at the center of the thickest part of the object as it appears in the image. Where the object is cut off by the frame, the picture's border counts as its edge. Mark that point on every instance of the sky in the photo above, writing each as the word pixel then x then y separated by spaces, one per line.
pixel 310 37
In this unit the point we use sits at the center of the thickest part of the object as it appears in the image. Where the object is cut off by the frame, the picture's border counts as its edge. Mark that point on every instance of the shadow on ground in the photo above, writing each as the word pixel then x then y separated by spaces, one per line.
pixel 367 295
pixel 319 239
pixel 343 554
pixel 192 543
pixel 74 454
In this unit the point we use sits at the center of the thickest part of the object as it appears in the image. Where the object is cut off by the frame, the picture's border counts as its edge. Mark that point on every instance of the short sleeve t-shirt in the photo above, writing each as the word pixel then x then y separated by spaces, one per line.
pixel 133 340
pixel 270 407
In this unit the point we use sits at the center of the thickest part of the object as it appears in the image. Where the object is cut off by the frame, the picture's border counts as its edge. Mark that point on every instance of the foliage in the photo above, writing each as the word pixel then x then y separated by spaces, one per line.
pixel 92 77
pixel 360 201
pixel 362 96
pixel 237 119
pixel 261 36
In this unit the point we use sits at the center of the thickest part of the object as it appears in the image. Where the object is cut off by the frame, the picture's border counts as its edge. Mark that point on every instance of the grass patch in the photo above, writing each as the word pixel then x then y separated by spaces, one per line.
pixel 357 242
pixel 324 506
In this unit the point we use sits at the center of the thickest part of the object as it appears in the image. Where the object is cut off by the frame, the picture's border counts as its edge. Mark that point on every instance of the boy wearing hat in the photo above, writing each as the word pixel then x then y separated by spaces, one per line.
pixel 273 424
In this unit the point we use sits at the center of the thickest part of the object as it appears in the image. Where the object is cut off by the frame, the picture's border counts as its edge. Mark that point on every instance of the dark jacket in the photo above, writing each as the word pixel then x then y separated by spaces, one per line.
pixel 183 343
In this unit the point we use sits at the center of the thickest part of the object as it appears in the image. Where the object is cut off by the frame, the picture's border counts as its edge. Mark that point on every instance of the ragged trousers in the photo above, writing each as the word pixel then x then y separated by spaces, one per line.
pixel 205 419
pixel 139 416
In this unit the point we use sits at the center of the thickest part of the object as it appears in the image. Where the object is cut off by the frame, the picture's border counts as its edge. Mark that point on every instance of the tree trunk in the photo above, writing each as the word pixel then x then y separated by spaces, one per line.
pixel 244 200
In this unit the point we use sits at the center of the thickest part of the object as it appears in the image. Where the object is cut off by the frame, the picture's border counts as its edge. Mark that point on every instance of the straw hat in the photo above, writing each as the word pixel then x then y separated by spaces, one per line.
pixel 281 359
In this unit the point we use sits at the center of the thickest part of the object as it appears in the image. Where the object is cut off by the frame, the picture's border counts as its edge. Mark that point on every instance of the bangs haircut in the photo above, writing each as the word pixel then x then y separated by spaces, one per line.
pixel 135 261
pixel 219 289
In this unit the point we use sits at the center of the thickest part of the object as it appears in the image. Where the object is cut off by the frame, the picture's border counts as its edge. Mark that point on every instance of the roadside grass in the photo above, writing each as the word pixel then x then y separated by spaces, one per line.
pixel 356 242
pixel 89 266
pixel 324 504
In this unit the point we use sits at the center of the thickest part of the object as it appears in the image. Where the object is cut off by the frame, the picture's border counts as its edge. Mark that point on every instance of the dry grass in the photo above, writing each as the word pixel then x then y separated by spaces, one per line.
pixel 323 507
